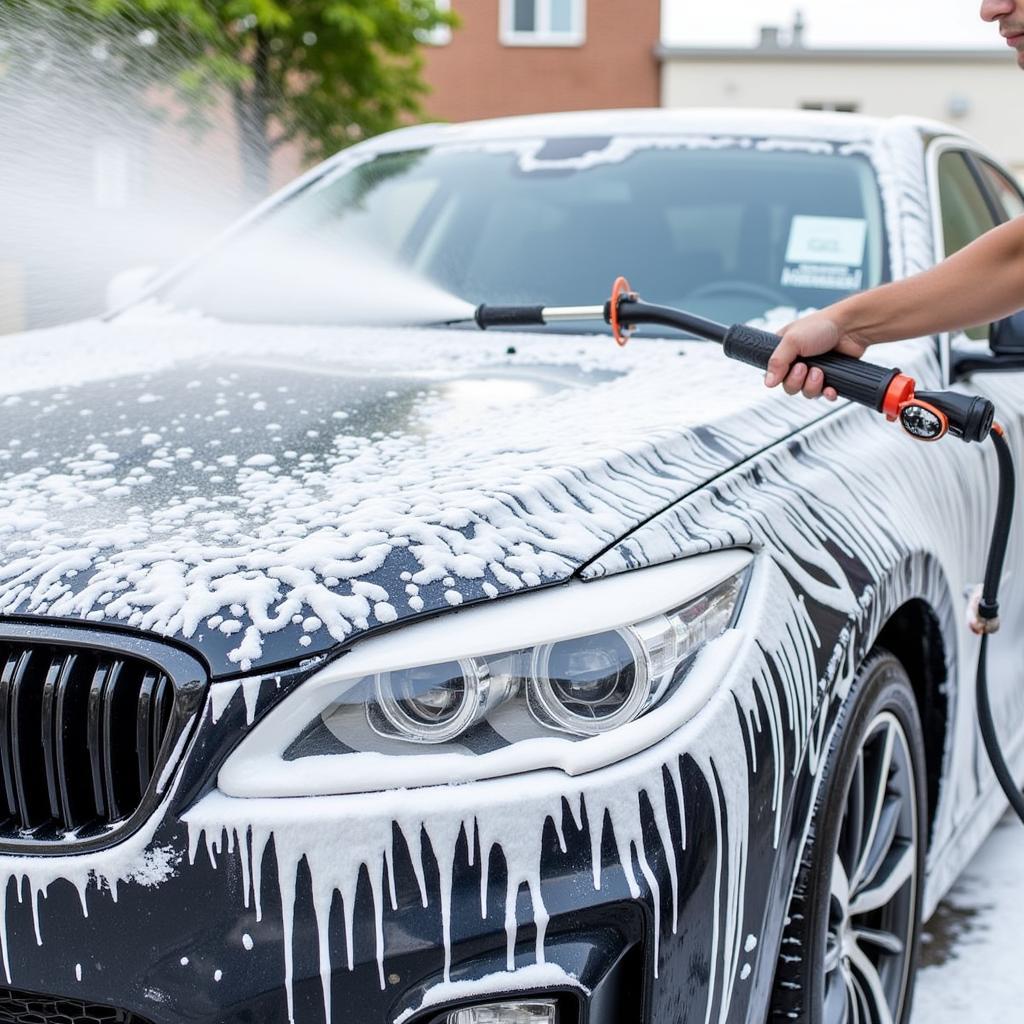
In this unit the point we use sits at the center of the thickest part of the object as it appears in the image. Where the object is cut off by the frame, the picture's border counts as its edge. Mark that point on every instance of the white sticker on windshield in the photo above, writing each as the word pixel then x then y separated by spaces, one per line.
pixel 837 241
pixel 822 275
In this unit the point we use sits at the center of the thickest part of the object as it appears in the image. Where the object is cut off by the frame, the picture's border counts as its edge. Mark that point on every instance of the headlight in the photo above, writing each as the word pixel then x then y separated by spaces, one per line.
pixel 589 684
pixel 434 703
pixel 531 681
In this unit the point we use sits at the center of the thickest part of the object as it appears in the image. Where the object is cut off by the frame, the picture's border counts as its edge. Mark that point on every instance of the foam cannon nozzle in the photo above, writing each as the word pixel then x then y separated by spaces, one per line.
pixel 924 415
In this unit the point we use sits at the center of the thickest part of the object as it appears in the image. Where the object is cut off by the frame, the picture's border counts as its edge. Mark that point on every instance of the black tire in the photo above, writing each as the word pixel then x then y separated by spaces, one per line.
pixel 835 952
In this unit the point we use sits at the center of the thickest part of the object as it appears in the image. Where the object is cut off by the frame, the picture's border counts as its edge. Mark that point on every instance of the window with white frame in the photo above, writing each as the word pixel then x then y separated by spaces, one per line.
pixel 543 22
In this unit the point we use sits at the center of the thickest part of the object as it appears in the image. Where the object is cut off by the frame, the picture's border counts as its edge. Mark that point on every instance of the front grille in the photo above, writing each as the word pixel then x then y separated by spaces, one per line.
pixel 81 734
pixel 26 1008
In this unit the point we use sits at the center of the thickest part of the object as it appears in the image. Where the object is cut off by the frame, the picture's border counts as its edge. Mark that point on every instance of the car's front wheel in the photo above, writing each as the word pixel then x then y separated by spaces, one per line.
pixel 850 939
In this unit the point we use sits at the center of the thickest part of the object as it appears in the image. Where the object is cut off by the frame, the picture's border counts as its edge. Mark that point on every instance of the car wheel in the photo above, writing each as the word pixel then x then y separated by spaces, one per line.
pixel 850 939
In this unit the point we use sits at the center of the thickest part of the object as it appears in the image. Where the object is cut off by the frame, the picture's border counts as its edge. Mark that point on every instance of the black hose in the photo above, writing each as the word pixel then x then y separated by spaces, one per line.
pixel 988 608
pixel 633 311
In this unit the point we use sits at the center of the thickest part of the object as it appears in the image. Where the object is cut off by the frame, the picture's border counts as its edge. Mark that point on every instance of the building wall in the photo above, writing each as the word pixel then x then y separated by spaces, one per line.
pixel 476 76
pixel 987 89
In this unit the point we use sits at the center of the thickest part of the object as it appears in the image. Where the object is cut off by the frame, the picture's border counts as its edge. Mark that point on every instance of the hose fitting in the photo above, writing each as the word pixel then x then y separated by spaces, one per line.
pixel 982 615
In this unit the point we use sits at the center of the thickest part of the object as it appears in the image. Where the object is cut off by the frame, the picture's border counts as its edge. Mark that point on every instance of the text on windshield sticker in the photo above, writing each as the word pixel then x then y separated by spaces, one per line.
pixel 825 252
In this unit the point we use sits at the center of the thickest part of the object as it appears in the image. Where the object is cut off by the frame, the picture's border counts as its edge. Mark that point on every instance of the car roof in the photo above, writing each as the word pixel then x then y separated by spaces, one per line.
pixel 800 124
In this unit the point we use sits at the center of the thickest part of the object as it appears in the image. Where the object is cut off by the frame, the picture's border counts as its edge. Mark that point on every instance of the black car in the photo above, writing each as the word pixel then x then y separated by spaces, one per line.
pixel 357 666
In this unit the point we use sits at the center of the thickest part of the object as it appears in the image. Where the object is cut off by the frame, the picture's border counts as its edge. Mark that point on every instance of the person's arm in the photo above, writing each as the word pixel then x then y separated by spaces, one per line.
pixel 979 284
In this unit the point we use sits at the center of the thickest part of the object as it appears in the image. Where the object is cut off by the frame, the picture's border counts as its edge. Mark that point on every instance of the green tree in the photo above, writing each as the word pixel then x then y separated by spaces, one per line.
pixel 323 73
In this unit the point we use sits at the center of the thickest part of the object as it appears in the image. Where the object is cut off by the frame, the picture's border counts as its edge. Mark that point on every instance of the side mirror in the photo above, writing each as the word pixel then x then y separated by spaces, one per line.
pixel 1006 336
pixel 129 286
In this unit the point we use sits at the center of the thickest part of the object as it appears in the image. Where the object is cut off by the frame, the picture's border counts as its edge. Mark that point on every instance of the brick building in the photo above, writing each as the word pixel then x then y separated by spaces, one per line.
pixel 535 56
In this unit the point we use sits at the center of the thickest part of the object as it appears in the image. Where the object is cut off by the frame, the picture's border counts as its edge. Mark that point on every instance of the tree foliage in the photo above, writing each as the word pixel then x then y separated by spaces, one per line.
pixel 322 73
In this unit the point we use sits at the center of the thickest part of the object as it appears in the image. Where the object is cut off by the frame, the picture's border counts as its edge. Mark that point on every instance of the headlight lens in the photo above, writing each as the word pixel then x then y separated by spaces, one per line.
pixel 431 703
pixel 434 703
pixel 590 684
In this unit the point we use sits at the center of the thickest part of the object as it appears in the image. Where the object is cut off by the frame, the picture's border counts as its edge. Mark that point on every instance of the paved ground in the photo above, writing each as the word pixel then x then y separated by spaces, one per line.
pixel 973 947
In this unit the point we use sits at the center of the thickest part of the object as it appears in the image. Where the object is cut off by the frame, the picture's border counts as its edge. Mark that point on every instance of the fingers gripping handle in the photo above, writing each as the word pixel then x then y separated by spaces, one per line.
pixel 853 379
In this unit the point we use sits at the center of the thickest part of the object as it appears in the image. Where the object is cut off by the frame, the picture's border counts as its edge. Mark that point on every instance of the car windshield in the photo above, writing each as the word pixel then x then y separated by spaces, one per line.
pixel 727 228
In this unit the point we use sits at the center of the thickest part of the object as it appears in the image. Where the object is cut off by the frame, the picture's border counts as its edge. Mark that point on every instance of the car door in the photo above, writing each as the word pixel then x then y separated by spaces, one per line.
pixel 974 195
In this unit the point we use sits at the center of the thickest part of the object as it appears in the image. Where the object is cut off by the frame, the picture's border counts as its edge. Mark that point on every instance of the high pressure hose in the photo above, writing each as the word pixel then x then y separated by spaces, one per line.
pixel 924 415
pixel 987 618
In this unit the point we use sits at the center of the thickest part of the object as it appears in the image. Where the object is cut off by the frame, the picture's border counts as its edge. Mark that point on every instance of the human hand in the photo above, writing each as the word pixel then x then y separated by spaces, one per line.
pixel 812 335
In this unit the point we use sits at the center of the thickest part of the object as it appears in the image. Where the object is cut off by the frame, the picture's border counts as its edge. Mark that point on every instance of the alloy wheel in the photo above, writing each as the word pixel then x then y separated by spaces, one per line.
pixel 873 887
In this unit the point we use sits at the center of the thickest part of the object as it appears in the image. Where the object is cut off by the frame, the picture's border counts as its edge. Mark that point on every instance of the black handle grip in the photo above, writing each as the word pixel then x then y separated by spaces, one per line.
pixel 852 378
pixel 509 316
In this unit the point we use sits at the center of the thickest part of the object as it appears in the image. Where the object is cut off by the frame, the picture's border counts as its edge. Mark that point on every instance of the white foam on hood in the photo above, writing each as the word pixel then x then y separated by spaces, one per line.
pixel 507 492
pixel 501 495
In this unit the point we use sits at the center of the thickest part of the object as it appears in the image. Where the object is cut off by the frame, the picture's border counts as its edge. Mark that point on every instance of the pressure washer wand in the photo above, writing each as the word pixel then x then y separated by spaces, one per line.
pixel 924 415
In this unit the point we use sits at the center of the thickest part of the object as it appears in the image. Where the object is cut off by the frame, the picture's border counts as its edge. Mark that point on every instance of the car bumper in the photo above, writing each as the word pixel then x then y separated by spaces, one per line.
pixel 638 891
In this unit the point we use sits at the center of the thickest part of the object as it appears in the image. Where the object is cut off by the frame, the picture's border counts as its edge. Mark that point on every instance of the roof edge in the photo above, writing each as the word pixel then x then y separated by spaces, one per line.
pixel 666 52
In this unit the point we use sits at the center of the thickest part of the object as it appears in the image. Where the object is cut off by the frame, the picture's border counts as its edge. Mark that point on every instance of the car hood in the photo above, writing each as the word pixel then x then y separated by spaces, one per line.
pixel 264 493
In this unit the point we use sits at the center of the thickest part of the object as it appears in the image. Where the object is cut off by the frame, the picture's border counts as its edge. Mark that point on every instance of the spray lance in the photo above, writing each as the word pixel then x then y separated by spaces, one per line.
pixel 923 415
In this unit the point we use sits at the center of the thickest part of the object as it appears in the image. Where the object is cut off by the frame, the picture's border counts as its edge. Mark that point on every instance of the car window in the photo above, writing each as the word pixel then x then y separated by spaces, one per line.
pixel 965 212
pixel 1007 193
pixel 731 230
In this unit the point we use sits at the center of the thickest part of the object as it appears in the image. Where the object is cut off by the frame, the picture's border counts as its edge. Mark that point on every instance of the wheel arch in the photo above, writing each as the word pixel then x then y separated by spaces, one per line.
pixel 912 614
pixel 913 634
pixel 909 610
